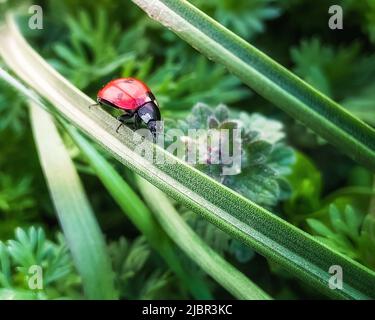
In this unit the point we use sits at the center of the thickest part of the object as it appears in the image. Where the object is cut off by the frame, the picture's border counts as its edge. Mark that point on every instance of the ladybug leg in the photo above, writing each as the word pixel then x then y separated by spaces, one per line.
pixel 94 105
pixel 119 126
pixel 123 118
pixel 137 121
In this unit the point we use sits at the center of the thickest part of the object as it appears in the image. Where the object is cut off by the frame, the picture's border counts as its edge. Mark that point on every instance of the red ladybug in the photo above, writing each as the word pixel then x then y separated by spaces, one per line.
pixel 134 98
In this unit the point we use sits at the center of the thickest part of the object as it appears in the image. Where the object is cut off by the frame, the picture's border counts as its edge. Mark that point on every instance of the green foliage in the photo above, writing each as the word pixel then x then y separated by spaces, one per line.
pixel 366 12
pixel 93 42
pixel 15 196
pixel 349 79
pixel 180 84
pixel 313 62
pixel 93 50
pixel 97 49
pixel 17 203
pixel 30 247
pixel 268 78
pixel 363 105
pixel 135 276
pixel 306 183
pixel 265 159
pixel 246 18
pixel 12 111
pixel 347 232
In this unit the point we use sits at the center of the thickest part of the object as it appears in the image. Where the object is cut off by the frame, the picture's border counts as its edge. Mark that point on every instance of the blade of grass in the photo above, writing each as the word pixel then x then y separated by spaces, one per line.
pixel 139 214
pixel 198 250
pixel 269 235
pixel 265 76
pixel 126 198
pixel 77 220
pixel 169 221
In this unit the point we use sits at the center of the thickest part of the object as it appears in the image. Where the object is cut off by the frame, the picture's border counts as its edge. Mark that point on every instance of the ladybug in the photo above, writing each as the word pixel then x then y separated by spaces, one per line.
pixel 135 99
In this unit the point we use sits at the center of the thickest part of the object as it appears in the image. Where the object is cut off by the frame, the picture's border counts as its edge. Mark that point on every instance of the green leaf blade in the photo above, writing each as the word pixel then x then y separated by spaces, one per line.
pixel 81 230
pixel 271 80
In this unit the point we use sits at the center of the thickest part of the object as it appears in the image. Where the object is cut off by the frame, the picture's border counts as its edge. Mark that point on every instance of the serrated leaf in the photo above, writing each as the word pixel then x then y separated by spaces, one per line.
pixel 268 130
pixel 320 228
pixel 201 113
pixel 281 159
pixel 257 184
pixel 221 113
pixel 337 220
pixel 258 152
pixel 353 221
pixel 139 214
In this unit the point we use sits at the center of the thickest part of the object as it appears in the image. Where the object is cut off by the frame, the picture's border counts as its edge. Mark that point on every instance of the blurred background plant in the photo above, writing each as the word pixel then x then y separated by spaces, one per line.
pixel 289 169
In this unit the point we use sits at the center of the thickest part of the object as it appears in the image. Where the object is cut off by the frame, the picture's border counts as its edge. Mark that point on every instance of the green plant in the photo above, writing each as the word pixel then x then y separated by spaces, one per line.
pixel 267 77
pixel 243 219
pixel 158 233
pixel 203 255
pixel 134 278
pixel 264 157
pixel 139 214
pixel 12 115
pixel 15 196
pixel 30 247
pixel 84 67
pixel 75 214
pixel 180 84
pixel 339 64
pixel 247 18
pixel 348 232
pixel 351 85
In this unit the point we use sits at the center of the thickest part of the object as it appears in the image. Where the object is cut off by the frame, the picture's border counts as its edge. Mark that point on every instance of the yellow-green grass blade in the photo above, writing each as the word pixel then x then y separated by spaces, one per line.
pixel 265 76
pixel 168 220
pixel 195 247
pixel 140 215
pixel 74 212
pixel 128 200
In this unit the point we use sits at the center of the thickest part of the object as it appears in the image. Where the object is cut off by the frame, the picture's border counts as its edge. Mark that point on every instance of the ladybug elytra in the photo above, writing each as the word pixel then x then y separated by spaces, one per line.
pixel 134 98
